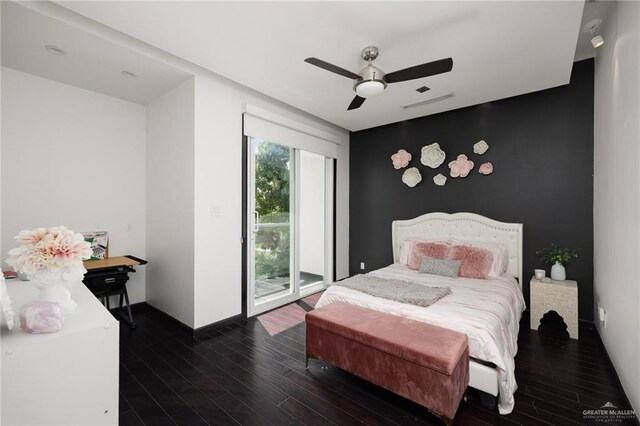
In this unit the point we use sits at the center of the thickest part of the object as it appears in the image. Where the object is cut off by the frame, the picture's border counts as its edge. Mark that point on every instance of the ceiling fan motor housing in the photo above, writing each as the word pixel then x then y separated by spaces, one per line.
pixel 372 82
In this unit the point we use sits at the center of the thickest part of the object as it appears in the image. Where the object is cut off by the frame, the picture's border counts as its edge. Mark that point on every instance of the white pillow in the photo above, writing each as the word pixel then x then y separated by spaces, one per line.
pixel 500 263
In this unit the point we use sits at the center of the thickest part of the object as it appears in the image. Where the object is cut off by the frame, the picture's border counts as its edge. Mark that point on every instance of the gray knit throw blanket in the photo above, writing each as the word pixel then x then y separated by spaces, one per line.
pixel 400 291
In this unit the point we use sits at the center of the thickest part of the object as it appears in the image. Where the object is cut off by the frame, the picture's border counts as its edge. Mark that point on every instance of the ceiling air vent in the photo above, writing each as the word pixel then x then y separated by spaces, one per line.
pixel 429 101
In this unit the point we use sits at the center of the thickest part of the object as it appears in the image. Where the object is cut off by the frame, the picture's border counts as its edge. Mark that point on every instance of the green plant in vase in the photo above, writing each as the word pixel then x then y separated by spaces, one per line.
pixel 557 257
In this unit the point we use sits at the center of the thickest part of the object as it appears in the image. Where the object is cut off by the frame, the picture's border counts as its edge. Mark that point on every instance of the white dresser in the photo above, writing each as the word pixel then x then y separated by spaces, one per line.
pixel 69 377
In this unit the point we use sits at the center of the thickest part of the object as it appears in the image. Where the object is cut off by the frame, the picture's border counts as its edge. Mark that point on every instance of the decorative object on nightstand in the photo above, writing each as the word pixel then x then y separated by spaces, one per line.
pixel 558 257
pixel 559 296
pixel 539 274
pixel 51 258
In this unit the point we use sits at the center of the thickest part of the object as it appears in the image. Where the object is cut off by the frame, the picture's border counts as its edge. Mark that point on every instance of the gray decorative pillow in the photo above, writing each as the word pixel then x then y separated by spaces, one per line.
pixel 444 267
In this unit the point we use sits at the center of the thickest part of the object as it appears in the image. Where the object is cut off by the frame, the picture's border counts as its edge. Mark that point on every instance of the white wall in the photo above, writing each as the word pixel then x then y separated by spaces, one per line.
pixel 312 209
pixel 76 158
pixel 617 193
pixel 170 201
pixel 218 174
pixel 218 183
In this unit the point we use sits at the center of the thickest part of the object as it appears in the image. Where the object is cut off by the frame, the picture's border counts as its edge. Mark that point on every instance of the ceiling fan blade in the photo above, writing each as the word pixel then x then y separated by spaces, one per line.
pixel 356 103
pixel 333 68
pixel 420 71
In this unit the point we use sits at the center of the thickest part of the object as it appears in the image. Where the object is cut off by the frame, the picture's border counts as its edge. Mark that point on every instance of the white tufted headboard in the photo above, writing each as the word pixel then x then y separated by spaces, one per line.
pixel 463 226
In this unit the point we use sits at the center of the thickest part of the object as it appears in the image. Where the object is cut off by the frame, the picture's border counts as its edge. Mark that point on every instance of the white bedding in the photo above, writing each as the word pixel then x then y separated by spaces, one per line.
pixel 487 311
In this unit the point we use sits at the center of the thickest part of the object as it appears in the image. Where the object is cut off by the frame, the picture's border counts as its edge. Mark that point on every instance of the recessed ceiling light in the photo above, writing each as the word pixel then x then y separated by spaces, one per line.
pixel 422 89
pixel 55 50
pixel 128 74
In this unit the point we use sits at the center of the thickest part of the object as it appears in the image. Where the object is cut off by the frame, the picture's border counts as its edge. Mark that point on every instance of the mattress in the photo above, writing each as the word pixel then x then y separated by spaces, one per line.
pixel 487 311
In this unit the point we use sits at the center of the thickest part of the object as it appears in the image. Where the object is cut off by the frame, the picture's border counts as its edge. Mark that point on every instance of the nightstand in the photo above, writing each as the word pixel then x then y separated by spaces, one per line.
pixel 560 296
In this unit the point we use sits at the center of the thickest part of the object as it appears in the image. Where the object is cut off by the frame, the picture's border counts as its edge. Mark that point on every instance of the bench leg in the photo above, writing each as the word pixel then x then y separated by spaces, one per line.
pixel 306 361
pixel 487 400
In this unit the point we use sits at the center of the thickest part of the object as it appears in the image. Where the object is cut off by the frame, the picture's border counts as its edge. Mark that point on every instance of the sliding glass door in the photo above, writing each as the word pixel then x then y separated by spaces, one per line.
pixel 288 215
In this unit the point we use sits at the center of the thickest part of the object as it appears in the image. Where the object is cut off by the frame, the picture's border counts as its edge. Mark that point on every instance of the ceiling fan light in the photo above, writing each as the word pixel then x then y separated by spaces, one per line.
pixel 369 88
pixel 597 41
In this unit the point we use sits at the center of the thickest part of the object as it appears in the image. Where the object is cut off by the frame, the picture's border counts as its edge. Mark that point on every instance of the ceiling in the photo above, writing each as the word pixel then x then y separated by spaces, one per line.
pixel 91 62
pixel 499 49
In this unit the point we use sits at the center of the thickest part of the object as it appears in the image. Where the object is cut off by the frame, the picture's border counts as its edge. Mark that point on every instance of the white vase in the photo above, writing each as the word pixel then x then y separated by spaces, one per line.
pixel 54 286
pixel 557 272
pixel 57 293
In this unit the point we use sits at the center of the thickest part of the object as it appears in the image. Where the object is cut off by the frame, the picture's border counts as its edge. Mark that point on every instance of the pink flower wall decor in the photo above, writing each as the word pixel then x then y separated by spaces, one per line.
pixel 401 159
pixel 486 169
pixel 460 167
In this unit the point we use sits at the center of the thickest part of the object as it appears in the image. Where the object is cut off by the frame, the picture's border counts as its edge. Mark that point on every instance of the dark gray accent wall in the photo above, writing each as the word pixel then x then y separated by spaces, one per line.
pixel 541 147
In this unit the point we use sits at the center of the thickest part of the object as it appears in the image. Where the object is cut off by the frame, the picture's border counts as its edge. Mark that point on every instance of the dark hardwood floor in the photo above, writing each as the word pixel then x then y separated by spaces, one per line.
pixel 252 373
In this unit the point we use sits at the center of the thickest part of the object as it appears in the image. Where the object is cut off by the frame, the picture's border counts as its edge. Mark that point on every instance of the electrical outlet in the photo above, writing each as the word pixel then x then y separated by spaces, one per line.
pixel 362 266
pixel 129 227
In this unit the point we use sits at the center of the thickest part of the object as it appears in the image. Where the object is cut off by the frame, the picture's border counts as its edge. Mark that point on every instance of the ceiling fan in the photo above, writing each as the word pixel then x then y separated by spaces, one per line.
pixel 371 81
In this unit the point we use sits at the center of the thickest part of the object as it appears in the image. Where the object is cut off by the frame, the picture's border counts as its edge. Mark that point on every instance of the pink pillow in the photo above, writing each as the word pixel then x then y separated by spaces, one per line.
pixel 476 262
pixel 432 250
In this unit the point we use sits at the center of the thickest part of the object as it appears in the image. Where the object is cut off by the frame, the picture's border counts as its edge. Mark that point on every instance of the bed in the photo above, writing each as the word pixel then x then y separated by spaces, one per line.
pixel 488 311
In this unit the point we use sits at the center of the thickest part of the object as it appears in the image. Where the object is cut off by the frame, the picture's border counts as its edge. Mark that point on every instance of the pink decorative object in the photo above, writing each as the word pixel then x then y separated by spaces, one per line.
pixel 51 258
pixel 420 250
pixel 40 316
pixel 486 169
pixel 401 159
pixel 460 167
pixel 476 262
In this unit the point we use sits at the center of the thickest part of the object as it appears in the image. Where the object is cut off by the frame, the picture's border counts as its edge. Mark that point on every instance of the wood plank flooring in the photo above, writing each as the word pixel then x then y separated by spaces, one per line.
pixel 252 373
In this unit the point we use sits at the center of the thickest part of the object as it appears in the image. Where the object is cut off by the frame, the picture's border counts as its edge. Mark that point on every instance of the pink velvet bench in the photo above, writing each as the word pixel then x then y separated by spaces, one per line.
pixel 427 364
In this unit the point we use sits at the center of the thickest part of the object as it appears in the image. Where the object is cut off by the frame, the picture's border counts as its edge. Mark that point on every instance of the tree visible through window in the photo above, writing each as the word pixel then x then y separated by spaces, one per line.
pixel 272 195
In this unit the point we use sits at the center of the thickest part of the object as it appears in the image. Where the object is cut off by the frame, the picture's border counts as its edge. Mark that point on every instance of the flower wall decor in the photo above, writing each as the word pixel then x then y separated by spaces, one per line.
pixel 400 159
pixel 440 179
pixel 432 156
pixel 486 169
pixel 411 177
pixel 480 147
pixel 460 167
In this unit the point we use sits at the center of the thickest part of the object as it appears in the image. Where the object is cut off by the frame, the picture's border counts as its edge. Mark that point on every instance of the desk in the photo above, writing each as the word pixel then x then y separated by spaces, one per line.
pixel 64 378
pixel 108 277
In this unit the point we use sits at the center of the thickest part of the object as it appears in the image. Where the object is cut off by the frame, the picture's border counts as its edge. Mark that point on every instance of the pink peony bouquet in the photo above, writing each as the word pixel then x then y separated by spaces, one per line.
pixel 49 249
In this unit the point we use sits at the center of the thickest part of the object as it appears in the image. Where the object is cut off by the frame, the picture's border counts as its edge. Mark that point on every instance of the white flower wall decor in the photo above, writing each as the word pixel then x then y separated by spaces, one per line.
pixel 440 179
pixel 432 156
pixel 480 147
pixel 411 177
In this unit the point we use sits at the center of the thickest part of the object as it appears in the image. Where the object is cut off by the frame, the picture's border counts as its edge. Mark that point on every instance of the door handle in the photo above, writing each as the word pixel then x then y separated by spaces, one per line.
pixel 255 222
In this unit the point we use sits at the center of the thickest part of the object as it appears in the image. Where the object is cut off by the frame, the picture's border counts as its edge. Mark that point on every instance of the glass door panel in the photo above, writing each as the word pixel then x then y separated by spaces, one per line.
pixel 273 221
pixel 311 180
pixel 290 214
